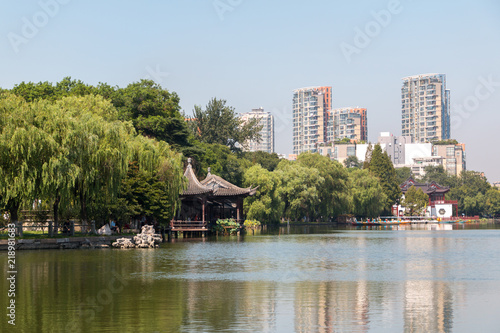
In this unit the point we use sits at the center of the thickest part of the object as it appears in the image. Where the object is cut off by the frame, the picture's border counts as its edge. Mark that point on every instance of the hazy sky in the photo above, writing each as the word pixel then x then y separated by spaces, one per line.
pixel 254 53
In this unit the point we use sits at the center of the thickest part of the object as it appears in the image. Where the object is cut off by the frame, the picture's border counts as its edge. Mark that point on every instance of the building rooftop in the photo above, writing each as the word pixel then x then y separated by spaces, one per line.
pixel 411 77
pixel 194 186
pixel 223 188
pixel 427 188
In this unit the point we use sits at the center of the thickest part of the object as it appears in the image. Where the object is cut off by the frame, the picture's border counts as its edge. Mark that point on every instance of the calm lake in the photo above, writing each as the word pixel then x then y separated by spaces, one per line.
pixel 297 279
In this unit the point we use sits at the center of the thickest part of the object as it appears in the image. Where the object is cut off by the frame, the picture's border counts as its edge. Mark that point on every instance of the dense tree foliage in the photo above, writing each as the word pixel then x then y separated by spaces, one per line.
pixel 415 201
pixel 154 111
pixel 72 150
pixel 367 198
pixel 402 174
pixel 382 167
pixel 301 189
pixel 333 193
pixel 266 160
pixel 352 162
pixel 219 124
pixel 267 204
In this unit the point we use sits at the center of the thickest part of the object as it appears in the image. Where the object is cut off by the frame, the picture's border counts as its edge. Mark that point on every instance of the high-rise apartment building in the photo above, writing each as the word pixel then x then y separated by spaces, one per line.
pixel 425 108
pixel 453 155
pixel 348 123
pixel 266 120
pixel 310 117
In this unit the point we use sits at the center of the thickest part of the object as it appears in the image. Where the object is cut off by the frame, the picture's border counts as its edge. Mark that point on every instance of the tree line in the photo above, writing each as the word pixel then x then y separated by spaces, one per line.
pixel 101 152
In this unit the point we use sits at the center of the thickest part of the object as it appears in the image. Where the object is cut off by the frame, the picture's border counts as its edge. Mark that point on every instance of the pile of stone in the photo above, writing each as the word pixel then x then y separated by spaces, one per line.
pixel 146 239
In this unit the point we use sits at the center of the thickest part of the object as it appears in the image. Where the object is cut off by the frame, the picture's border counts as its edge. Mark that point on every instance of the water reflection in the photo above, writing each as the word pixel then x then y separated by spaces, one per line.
pixel 335 281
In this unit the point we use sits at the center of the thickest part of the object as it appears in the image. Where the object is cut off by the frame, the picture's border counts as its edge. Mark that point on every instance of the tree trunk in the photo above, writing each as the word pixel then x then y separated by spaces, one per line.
pixel 13 208
pixel 55 207
pixel 83 209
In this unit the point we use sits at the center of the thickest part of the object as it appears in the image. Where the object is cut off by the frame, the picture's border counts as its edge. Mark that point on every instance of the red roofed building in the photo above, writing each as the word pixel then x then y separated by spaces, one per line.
pixel 438 205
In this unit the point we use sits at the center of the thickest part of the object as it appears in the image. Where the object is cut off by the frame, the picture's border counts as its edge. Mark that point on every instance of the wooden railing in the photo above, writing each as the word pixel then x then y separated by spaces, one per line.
pixel 188 225
pixel 440 202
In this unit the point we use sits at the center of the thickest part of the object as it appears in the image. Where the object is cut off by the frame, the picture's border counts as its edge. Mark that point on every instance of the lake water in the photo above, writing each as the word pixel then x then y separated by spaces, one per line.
pixel 301 279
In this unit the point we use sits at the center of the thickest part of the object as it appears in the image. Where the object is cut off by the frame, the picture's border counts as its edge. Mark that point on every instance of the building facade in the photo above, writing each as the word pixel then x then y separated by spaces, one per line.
pixel 349 122
pixel 266 120
pixel 425 108
pixel 310 117
pixel 454 158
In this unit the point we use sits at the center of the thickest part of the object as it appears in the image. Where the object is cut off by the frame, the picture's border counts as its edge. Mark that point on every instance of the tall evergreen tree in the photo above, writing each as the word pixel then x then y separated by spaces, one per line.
pixel 219 124
pixel 368 156
pixel 381 166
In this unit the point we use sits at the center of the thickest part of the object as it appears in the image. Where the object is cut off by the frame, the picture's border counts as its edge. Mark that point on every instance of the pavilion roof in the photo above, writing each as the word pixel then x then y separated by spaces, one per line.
pixel 427 188
pixel 223 188
pixel 194 185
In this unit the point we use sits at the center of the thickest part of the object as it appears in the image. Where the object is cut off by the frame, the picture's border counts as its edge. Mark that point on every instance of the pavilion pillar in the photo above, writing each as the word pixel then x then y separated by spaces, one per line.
pixel 204 203
pixel 238 209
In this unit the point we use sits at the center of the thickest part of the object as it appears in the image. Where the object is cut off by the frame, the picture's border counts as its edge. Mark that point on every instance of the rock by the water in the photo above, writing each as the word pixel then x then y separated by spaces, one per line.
pixel 146 239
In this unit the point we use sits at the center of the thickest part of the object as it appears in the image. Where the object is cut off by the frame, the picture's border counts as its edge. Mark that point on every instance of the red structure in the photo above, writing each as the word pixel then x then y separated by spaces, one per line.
pixel 435 192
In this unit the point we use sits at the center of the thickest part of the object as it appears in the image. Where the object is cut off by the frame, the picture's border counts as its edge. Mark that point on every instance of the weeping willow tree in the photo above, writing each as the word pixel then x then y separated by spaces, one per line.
pixel 154 180
pixel 96 147
pixel 75 152
pixel 24 150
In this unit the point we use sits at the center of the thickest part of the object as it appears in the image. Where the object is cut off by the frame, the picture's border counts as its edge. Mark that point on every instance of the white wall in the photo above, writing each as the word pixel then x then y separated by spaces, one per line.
pixel 413 150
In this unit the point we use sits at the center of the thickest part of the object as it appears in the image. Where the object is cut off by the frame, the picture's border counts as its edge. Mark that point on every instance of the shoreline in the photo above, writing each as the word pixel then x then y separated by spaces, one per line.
pixel 63 243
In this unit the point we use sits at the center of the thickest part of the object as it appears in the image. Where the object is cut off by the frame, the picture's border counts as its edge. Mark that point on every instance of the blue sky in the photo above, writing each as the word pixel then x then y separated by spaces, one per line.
pixel 254 53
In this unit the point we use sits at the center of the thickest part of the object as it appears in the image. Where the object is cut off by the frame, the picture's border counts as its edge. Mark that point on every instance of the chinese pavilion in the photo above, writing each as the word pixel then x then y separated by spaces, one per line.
pixel 438 206
pixel 205 201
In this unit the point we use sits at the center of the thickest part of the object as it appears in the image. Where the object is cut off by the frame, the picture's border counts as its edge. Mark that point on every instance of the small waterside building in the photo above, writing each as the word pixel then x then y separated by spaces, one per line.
pixel 438 207
pixel 205 201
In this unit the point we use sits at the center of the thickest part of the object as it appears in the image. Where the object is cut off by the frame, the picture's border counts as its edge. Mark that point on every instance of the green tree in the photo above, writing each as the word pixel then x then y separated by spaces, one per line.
pixel 402 174
pixel 470 190
pixel 333 197
pixel 438 175
pixel 366 194
pixel 301 189
pixel 25 148
pixel 154 111
pixel 47 91
pixel 219 124
pixel 266 160
pixel 493 202
pixel 352 162
pixel 382 167
pixel 267 204
pixel 415 201
pixel 222 162
pixel 368 156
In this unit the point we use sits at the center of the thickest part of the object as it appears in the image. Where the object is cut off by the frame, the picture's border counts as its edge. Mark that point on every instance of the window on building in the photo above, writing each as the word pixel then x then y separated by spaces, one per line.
pixel 351 151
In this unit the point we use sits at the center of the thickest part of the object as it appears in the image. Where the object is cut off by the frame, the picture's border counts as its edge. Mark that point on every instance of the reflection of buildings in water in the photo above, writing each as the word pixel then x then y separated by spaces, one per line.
pixel 428 302
pixel 218 304
pixel 331 306
pixel 428 307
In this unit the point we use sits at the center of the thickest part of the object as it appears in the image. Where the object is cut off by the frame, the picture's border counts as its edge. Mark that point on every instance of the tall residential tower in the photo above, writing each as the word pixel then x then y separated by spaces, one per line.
pixel 425 108
pixel 266 120
pixel 310 117
pixel 350 123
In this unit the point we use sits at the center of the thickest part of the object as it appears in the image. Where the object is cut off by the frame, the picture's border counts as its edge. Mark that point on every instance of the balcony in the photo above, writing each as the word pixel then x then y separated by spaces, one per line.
pixel 442 202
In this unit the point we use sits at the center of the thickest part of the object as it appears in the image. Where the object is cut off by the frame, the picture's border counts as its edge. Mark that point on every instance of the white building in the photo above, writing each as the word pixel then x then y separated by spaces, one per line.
pixel 266 120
